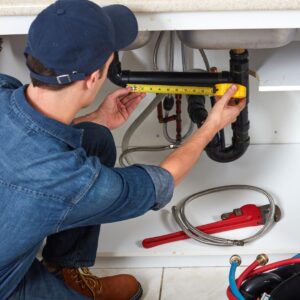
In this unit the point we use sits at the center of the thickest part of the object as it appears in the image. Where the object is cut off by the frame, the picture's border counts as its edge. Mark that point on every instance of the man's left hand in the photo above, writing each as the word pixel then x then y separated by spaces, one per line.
pixel 117 107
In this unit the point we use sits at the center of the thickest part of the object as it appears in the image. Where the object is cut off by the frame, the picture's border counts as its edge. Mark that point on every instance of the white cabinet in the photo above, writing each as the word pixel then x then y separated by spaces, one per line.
pixel 274 120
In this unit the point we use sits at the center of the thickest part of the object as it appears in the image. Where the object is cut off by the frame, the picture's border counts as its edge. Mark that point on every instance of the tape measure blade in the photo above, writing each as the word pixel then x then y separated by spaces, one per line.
pixel 161 89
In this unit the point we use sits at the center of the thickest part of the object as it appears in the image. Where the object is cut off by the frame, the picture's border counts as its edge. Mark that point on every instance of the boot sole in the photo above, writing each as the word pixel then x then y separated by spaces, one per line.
pixel 138 294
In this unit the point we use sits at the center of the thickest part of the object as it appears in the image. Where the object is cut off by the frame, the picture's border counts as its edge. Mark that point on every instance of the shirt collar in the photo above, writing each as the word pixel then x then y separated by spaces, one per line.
pixel 66 133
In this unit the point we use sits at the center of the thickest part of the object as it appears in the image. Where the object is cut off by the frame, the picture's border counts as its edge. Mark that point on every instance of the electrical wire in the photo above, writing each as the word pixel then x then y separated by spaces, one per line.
pixel 235 291
pixel 194 233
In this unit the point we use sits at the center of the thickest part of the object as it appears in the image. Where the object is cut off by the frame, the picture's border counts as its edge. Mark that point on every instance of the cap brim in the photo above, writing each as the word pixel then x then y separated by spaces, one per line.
pixel 125 25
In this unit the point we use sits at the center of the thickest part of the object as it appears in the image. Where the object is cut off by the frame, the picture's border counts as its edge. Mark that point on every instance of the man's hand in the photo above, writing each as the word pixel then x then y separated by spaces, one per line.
pixel 117 107
pixel 226 110
pixel 181 160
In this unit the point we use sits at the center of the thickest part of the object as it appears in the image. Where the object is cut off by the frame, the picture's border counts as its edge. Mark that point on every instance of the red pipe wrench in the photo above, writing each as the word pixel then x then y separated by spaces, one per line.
pixel 245 216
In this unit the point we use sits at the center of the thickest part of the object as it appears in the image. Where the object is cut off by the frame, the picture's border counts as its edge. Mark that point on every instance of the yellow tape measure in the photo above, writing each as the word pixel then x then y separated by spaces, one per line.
pixel 219 89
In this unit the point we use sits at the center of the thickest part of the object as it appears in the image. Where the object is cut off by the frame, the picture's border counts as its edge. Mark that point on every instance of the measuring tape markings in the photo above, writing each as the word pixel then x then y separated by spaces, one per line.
pixel 218 90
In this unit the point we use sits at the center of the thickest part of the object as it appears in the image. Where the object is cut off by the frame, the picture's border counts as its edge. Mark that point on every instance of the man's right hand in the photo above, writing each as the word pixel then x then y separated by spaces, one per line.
pixel 226 110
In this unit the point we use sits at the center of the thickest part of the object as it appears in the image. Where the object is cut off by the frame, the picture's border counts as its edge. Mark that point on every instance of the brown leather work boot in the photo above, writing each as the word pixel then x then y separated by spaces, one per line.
pixel 118 287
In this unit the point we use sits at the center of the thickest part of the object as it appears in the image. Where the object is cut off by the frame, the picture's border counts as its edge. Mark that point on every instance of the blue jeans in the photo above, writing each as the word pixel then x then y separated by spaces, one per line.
pixel 71 248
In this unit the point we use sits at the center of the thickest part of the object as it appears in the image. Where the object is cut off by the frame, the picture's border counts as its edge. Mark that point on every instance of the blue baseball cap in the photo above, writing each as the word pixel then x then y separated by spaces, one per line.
pixel 74 38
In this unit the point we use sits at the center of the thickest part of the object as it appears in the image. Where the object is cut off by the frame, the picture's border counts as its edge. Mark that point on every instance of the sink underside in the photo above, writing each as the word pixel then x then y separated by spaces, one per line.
pixel 141 40
pixel 234 39
pixel 226 39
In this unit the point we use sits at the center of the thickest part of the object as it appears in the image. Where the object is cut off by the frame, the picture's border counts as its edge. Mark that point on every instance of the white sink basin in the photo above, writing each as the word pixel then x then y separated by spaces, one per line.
pixel 234 39
pixel 141 40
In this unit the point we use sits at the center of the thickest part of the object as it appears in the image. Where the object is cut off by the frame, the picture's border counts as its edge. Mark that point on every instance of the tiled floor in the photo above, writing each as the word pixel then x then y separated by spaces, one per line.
pixel 177 283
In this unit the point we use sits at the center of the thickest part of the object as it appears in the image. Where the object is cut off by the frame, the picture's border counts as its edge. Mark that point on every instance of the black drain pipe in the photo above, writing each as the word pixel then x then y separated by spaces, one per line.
pixel 122 78
pixel 239 73
pixel 239 70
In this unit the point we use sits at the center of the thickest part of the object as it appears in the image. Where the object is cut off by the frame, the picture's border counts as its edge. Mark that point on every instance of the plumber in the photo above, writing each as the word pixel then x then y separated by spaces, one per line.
pixel 57 174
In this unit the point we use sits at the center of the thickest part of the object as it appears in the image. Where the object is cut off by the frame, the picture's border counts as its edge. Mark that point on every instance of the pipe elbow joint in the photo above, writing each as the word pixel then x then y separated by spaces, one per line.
pixel 115 73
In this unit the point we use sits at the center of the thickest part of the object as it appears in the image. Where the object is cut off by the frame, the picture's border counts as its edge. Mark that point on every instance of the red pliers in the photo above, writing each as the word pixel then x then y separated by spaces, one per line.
pixel 246 216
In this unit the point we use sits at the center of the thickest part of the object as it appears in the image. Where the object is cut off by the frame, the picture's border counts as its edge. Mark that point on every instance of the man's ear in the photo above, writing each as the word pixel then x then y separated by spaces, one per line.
pixel 92 79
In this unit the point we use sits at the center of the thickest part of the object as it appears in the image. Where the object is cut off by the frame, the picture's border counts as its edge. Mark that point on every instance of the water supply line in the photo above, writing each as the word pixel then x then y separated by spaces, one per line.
pixel 125 159
pixel 191 231
pixel 168 103
pixel 235 261
pixel 233 291
pixel 282 271
pixel 155 52
pixel 171 99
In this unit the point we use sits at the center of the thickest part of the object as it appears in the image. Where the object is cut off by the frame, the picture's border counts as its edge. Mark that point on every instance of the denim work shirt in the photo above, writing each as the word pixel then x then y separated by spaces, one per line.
pixel 48 184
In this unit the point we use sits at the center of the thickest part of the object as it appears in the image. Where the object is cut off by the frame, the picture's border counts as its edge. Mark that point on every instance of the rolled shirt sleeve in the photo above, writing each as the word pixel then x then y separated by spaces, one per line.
pixel 118 194
pixel 164 185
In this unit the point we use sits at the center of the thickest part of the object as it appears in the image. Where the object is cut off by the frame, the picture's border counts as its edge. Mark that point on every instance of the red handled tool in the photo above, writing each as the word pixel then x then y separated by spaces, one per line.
pixel 246 216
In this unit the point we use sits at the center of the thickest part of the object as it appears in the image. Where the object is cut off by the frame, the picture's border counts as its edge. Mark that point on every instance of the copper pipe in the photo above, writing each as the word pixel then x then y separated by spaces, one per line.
pixel 160 113
pixel 161 118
